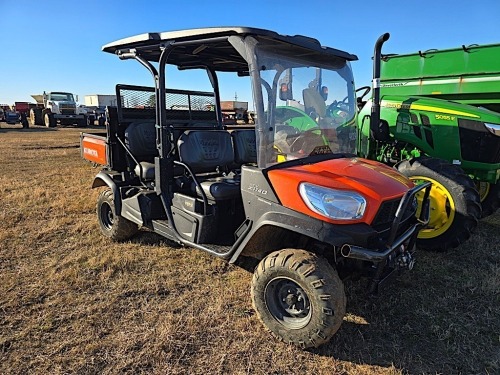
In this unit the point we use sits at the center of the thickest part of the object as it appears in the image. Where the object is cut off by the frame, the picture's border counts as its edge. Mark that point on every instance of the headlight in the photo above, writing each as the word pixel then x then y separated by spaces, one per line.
pixel 334 204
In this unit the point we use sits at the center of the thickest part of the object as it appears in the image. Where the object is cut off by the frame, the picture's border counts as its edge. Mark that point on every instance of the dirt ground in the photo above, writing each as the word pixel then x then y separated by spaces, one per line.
pixel 72 302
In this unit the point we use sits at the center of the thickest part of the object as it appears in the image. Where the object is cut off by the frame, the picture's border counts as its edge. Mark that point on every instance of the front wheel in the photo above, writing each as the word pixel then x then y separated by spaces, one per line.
pixel 490 197
pixel 113 226
pixel 299 297
pixel 454 202
pixel 48 120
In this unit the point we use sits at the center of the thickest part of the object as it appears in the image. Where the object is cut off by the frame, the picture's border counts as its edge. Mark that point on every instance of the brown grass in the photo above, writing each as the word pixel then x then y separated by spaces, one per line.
pixel 73 302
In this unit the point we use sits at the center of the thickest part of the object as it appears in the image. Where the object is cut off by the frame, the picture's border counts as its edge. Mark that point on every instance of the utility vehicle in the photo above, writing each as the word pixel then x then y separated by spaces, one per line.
pixel 295 200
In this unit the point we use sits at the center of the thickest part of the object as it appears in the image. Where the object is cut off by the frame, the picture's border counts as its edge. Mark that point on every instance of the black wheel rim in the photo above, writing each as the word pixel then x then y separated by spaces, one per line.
pixel 106 216
pixel 288 303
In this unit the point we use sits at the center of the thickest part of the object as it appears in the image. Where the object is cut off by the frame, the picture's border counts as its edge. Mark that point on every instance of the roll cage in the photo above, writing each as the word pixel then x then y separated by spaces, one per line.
pixel 229 49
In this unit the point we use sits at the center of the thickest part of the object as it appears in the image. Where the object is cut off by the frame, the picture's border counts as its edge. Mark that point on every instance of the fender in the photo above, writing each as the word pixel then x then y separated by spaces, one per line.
pixel 104 179
pixel 296 222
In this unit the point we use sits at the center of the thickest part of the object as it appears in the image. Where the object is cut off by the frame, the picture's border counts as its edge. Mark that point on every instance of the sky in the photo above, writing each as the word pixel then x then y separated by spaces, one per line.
pixel 55 45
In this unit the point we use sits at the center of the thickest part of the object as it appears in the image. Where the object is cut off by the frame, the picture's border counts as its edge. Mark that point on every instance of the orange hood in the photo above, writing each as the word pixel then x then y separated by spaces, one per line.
pixel 374 181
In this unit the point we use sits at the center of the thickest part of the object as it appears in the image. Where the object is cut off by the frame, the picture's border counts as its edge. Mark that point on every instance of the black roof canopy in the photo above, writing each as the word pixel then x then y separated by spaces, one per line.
pixel 210 47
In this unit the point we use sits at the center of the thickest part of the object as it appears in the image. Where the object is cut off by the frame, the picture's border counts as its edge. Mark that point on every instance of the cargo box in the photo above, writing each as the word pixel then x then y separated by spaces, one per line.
pixel 94 148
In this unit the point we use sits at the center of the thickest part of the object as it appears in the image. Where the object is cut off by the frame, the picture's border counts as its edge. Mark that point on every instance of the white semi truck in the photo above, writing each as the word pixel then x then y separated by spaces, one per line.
pixel 56 108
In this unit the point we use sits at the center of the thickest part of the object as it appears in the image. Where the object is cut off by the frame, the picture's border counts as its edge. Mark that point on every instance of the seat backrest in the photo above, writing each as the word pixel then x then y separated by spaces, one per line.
pixel 205 150
pixel 245 147
pixel 140 138
pixel 314 102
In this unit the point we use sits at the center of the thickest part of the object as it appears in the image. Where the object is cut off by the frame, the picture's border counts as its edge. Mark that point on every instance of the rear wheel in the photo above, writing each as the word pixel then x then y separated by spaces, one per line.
pixel 113 226
pixel 299 297
pixel 490 197
pixel 24 122
pixel 82 123
pixel 454 202
pixel 90 120
pixel 36 116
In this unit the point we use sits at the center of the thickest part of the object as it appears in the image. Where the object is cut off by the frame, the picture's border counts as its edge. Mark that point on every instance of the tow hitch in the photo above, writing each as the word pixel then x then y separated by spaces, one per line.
pixel 404 260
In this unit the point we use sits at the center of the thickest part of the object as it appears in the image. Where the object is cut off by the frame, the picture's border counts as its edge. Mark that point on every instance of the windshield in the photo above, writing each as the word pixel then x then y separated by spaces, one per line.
pixel 309 109
pixel 61 96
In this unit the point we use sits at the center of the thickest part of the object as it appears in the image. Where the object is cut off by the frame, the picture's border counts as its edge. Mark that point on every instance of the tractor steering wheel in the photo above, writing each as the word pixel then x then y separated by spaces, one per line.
pixel 344 102
pixel 338 110
pixel 366 91
pixel 359 99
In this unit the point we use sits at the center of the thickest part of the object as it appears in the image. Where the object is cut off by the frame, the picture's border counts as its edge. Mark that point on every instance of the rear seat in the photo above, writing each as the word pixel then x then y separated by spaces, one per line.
pixel 140 138
pixel 209 154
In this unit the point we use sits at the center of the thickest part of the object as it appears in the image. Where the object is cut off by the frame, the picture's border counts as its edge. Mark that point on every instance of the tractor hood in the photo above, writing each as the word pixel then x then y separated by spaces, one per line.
pixel 372 180
pixel 439 107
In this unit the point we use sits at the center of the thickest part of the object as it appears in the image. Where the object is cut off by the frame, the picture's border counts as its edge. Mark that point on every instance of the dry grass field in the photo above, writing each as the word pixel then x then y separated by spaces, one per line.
pixel 71 302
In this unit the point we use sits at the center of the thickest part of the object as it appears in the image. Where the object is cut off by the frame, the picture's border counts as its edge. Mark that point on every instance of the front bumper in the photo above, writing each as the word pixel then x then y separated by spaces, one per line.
pixel 66 117
pixel 395 242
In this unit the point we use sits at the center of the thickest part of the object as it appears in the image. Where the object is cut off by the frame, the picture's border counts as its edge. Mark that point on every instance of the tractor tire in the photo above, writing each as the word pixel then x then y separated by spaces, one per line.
pixel 82 123
pixel 454 202
pixel 25 122
pixel 115 227
pixel 90 120
pixel 48 120
pixel 490 197
pixel 36 116
pixel 299 297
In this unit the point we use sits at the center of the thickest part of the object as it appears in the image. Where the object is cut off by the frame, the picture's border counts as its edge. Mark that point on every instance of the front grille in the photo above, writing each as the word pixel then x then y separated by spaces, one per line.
pixel 477 143
pixel 384 219
pixel 387 212
pixel 67 109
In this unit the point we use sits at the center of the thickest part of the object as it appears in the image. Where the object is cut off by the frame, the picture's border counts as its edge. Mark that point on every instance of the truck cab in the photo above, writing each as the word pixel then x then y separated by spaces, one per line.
pixel 57 107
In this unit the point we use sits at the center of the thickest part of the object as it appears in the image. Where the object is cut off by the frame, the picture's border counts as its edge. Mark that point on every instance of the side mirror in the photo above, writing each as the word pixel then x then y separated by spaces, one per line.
pixel 77 98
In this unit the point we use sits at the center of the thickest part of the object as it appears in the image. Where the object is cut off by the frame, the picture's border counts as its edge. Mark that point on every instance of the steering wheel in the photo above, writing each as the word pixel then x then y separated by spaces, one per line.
pixel 360 102
pixel 337 110
pixel 366 91
pixel 301 139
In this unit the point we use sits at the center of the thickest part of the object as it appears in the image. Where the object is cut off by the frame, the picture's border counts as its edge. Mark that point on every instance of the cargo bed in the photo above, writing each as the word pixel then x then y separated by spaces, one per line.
pixel 94 148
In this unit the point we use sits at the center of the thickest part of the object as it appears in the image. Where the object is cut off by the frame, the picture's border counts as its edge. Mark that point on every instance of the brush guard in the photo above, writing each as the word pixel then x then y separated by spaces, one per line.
pixel 398 252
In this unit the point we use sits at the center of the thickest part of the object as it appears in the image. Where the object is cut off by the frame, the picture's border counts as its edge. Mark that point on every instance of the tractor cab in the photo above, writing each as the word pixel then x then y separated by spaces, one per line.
pixel 315 113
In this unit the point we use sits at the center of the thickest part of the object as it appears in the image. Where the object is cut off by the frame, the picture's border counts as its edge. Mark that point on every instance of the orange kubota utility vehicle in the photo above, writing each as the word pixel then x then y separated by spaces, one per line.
pixel 295 199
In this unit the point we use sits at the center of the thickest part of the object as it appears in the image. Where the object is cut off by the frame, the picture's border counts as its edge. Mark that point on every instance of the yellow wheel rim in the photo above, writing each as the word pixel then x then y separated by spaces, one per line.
pixel 483 188
pixel 442 208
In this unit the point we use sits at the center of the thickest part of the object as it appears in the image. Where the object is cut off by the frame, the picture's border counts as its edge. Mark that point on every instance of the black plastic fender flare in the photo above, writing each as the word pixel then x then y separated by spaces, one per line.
pixel 284 218
pixel 104 179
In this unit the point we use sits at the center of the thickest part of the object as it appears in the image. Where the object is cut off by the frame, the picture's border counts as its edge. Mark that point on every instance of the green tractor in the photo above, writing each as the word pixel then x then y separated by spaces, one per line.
pixel 436 126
